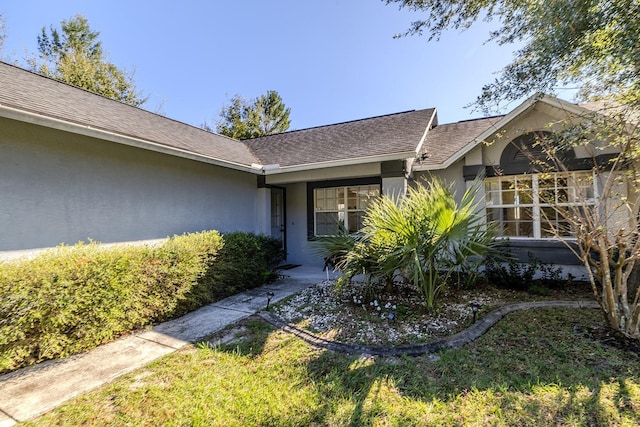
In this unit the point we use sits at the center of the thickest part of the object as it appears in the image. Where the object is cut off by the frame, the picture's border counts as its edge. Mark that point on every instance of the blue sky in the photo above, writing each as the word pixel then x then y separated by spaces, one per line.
pixel 331 60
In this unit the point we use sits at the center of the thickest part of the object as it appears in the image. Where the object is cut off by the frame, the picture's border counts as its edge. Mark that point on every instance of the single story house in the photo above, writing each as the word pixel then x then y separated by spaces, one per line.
pixel 77 166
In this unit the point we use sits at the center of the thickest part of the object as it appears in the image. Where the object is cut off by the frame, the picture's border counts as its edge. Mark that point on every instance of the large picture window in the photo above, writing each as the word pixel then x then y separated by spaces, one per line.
pixel 529 205
pixel 335 206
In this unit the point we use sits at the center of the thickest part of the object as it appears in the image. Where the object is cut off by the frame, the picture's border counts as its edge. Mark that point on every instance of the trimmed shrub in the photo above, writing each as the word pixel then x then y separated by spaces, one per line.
pixel 73 298
pixel 244 261
pixel 247 260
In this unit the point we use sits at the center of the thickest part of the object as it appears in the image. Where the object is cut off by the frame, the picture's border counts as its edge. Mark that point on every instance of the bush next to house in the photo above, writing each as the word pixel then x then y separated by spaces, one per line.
pixel 73 298
pixel 532 276
pixel 428 237
pixel 246 260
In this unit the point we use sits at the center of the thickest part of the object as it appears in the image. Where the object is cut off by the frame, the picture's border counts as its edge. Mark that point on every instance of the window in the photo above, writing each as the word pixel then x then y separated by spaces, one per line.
pixel 527 205
pixel 333 206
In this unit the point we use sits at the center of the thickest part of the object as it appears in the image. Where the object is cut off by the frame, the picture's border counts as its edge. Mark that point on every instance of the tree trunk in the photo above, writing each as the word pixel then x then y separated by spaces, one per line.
pixel 608 298
pixel 633 283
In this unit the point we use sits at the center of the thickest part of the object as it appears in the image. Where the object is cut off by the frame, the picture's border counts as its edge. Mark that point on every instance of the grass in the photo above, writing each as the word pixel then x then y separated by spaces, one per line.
pixel 533 368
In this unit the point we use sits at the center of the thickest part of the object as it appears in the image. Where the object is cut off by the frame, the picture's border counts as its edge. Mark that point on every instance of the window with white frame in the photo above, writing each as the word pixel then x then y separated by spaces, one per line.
pixel 532 205
pixel 335 206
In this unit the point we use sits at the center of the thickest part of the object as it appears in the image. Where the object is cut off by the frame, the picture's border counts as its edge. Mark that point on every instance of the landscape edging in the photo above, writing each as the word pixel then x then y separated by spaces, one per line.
pixel 454 341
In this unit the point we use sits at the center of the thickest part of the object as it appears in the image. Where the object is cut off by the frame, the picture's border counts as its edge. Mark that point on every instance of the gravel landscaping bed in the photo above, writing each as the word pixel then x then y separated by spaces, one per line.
pixel 395 318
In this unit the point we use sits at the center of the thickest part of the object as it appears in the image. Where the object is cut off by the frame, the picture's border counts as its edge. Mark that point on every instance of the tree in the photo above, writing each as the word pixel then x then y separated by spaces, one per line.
pixel 3 32
pixel 593 43
pixel 265 115
pixel 606 225
pixel 74 55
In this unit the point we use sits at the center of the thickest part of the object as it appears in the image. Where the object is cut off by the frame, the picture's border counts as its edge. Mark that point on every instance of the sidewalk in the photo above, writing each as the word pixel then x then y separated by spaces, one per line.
pixel 32 391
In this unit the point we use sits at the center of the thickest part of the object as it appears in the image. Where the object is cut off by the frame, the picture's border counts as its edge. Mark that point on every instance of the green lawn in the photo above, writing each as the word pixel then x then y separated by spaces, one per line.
pixel 533 368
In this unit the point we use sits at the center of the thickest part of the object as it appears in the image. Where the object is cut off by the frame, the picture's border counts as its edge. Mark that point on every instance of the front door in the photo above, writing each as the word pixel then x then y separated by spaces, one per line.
pixel 278 215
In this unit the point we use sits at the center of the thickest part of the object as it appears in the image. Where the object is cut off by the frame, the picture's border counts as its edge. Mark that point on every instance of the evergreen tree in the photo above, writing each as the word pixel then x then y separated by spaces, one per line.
pixel 265 115
pixel 74 55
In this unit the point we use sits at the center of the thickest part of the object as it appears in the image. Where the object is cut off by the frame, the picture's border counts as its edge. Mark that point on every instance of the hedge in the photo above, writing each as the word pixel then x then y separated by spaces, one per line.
pixel 74 298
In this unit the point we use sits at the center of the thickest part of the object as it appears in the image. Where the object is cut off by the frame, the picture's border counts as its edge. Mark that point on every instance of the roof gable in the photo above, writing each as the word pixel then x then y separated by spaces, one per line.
pixel 446 144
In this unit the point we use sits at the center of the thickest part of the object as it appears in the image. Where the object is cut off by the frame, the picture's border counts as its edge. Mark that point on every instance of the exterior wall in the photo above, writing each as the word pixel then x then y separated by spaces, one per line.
pixel 617 204
pixel 263 211
pixel 474 156
pixel 299 250
pixel 538 119
pixel 395 187
pixel 59 187
pixel 450 176
pixel 299 247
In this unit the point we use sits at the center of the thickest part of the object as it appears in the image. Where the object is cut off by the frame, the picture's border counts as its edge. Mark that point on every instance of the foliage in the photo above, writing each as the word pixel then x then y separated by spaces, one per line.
pixel 590 42
pixel 247 260
pixel 265 115
pixel 532 276
pixel 3 32
pixel 74 298
pixel 74 55
pixel 430 234
pixel 355 254
pixel 426 236
pixel 531 369
pixel 335 248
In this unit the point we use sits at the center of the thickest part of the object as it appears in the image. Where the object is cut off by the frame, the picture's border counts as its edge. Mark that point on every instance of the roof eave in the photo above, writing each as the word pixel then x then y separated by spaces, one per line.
pixel 85 130
pixel 422 168
pixel 343 162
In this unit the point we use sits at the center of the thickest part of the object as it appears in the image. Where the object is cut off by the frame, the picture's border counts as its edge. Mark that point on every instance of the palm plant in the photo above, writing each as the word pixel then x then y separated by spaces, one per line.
pixel 426 236
pixel 355 254
pixel 429 235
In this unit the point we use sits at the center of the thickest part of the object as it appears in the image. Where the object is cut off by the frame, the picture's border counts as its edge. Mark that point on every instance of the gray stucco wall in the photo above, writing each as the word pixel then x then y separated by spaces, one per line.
pixel 451 176
pixel 59 187
pixel 299 249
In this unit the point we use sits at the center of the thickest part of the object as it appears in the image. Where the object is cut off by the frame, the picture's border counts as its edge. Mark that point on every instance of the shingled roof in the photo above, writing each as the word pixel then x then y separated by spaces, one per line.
pixel 398 135
pixel 444 141
pixel 29 92
pixel 31 97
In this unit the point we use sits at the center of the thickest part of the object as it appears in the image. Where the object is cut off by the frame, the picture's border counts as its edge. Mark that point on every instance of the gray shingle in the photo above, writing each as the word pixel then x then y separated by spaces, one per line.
pixel 446 140
pixel 31 92
pixel 384 135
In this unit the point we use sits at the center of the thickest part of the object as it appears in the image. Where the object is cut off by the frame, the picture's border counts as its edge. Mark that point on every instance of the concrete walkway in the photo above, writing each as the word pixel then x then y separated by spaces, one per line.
pixel 32 391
